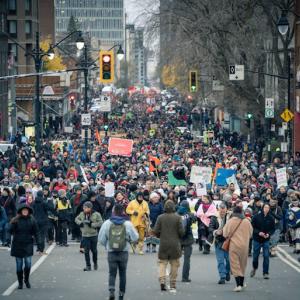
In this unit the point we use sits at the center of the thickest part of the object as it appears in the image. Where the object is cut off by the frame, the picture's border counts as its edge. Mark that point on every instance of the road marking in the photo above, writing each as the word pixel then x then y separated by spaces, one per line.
pixel 289 257
pixel 292 262
pixel 9 291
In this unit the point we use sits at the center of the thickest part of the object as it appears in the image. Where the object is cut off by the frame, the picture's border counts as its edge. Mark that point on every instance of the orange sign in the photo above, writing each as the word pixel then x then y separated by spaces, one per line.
pixel 122 147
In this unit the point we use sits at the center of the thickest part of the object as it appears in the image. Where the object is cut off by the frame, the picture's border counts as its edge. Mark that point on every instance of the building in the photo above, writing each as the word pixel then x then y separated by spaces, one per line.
pixel 3 71
pixel 135 55
pixel 47 19
pixel 103 19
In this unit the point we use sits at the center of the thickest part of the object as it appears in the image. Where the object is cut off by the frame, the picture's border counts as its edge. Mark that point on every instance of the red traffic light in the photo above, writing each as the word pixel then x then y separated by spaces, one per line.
pixel 106 58
pixel 72 97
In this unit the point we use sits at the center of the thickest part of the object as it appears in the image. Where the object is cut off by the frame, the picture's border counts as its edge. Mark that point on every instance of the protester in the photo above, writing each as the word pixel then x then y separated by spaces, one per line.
pixel 216 226
pixel 239 230
pixel 138 210
pixel 24 228
pixel 170 230
pixel 89 222
pixel 263 228
pixel 116 234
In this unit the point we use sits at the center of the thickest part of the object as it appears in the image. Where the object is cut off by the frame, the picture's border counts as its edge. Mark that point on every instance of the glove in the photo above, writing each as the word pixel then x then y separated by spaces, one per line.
pixel 87 222
pixel 135 213
pixel 81 225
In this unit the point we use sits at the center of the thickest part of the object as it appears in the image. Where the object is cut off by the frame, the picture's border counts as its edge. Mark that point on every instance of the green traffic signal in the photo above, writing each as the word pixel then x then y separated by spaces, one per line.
pixel 249 115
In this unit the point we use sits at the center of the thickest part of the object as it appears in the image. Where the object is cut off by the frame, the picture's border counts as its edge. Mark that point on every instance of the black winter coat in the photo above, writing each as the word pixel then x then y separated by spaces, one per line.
pixel 23 231
pixel 262 223
pixel 40 211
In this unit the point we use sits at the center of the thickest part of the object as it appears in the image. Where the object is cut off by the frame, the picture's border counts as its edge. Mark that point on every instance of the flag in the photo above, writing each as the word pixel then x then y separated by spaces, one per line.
pixel 97 135
pixel 222 175
pixel 218 166
pixel 154 162
pixel 175 181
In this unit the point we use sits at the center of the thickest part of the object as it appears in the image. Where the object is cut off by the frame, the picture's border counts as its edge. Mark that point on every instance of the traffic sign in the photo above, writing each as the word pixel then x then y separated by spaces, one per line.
pixel 86 120
pixel 287 115
pixel 105 103
pixel 269 113
pixel 269 103
pixel 48 90
pixel 284 125
pixel 236 72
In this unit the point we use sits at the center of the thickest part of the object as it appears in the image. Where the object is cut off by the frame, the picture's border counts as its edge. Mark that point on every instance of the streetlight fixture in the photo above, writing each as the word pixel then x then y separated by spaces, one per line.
pixel 51 53
pixel 283 24
pixel 80 42
pixel 120 53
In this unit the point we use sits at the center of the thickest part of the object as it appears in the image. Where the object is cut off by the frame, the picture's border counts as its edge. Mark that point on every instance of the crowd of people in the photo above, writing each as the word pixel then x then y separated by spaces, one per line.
pixel 66 192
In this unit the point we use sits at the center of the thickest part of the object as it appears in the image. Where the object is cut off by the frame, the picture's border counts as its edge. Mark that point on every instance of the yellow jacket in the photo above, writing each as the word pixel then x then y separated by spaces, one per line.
pixel 142 209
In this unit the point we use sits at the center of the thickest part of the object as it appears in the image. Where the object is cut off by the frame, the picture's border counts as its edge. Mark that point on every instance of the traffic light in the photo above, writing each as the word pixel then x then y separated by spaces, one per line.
pixel 107 67
pixel 249 115
pixel 193 81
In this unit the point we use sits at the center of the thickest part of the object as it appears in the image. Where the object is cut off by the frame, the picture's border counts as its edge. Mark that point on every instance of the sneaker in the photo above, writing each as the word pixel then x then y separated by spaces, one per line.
pixel 252 273
pixel 163 287
pixel 237 289
pixel 187 280
pixel 221 281
pixel 148 250
pixel 81 250
pixel 141 252
pixel 121 296
pixel 173 290
pixel 111 295
pixel 95 267
pixel 266 276
pixel 88 268
pixel 66 245
pixel 153 250
pixel 227 277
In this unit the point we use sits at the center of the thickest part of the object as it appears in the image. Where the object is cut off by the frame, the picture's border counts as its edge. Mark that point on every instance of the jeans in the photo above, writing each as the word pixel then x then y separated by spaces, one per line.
pixel 90 244
pixel 266 253
pixel 3 233
pixel 274 239
pixel 62 232
pixel 223 262
pixel 187 252
pixel 23 260
pixel 117 261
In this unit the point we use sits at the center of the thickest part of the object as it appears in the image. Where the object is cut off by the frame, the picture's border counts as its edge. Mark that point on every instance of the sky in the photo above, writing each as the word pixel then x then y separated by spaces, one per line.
pixel 132 9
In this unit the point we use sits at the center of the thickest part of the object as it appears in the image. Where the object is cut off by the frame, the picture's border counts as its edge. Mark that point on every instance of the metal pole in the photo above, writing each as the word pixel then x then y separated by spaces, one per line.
pixel 85 95
pixel 289 107
pixel 37 104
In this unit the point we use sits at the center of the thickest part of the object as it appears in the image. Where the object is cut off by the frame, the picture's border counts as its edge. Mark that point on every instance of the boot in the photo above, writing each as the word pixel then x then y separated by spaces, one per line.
pixel 206 249
pixel 121 296
pixel 26 278
pixel 20 280
pixel 200 246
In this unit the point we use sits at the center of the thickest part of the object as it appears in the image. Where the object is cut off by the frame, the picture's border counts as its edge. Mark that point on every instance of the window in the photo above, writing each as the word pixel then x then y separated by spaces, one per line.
pixel 12 7
pixel 28 28
pixel 27 7
pixel 13 48
pixel 12 28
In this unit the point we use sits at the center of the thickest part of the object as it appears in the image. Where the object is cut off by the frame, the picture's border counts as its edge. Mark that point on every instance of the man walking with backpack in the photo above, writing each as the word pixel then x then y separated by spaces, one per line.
pixel 116 235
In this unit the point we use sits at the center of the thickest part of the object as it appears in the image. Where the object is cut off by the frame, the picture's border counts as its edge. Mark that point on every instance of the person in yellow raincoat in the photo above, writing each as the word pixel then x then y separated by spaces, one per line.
pixel 138 210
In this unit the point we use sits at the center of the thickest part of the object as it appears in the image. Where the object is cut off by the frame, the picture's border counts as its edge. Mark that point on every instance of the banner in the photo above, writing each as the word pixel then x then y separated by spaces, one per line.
pixel 281 177
pixel 222 174
pixel 172 180
pixel 122 147
pixel 199 174
pixel 154 162
pixel 84 175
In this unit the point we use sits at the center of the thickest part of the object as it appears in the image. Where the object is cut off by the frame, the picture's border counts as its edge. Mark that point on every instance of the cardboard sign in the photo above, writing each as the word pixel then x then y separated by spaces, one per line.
pixel 201 189
pixel 84 175
pixel 122 147
pixel 109 189
pixel 199 174
pixel 281 177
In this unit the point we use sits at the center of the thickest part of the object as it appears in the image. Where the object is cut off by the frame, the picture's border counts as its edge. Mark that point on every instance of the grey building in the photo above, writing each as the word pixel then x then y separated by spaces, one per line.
pixel 103 19
pixel 3 71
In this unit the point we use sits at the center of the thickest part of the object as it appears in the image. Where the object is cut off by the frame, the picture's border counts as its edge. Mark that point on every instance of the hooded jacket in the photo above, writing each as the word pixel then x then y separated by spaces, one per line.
pixel 89 229
pixel 40 209
pixel 170 230
pixel 131 233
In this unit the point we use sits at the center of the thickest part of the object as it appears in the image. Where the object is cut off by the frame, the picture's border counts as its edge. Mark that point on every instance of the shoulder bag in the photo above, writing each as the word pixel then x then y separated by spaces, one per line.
pixel 226 243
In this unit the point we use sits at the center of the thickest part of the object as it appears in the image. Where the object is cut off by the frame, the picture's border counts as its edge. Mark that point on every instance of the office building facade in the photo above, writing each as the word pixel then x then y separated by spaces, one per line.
pixel 103 19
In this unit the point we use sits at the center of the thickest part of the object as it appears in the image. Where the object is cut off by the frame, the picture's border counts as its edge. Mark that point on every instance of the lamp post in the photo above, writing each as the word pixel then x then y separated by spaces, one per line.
pixel 283 28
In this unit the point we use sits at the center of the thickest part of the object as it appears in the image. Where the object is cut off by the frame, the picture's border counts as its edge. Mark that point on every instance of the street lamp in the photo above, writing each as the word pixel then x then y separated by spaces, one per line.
pixel 80 42
pixel 51 53
pixel 283 24
pixel 120 53
pixel 283 28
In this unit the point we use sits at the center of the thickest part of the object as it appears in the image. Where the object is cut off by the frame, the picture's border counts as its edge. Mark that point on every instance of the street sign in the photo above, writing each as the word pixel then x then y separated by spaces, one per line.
pixel 105 103
pixel 284 126
pixel 273 128
pixel 86 120
pixel 269 108
pixel 236 72
pixel 287 115
pixel 217 86
pixel 283 147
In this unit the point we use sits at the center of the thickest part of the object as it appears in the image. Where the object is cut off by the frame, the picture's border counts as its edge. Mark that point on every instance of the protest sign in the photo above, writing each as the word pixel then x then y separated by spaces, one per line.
pixel 201 189
pixel 199 174
pixel 122 147
pixel 109 189
pixel 281 177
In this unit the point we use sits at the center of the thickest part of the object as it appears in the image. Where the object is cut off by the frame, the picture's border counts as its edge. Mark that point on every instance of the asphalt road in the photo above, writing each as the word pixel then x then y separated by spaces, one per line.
pixel 61 276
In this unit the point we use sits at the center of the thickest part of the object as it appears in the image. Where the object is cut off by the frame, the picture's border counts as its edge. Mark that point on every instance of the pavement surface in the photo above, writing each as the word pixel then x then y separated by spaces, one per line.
pixel 61 276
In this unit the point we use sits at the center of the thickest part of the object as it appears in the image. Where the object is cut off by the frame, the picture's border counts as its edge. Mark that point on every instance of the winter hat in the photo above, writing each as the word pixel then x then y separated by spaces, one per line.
pixel 88 204
pixel 22 206
pixel 61 193
pixel 153 195
pixel 21 190
pixel 185 204
pixel 139 194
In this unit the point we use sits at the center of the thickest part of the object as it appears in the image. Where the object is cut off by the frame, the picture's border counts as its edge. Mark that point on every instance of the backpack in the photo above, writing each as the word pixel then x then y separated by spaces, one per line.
pixel 117 237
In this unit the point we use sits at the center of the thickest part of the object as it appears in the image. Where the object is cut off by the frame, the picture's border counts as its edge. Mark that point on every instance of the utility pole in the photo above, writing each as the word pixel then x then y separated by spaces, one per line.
pixel 85 95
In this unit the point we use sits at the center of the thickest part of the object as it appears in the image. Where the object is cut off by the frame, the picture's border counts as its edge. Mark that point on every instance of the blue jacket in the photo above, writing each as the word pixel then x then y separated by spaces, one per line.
pixel 131 233
pixel 155 211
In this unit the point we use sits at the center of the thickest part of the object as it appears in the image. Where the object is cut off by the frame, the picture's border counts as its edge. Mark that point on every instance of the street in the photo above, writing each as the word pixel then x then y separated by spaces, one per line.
pixel 61 277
